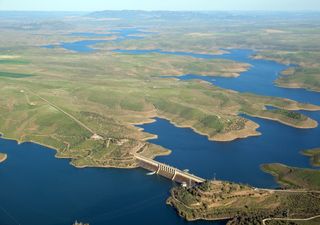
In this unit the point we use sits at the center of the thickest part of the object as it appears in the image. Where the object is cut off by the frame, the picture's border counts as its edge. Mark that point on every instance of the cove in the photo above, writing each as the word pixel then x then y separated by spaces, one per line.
pixel 239 160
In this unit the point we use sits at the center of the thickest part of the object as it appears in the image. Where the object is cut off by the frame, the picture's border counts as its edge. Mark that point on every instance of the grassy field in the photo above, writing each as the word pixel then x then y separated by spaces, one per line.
pixel 242 204
pixel 292 177
pixel 284 116
pixel 120 90
pixel 314 154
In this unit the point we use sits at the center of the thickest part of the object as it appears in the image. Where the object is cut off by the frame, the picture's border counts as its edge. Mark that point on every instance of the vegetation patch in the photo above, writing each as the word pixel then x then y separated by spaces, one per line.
pixel 13 61
pixel 241 204
pixel 293 177
pixel 314 155
pixel 284 116
pixel 14 75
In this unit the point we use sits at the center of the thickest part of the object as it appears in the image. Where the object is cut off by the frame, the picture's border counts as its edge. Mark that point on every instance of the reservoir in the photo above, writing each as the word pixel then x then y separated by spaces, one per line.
pixel 38 189
pixel 85 46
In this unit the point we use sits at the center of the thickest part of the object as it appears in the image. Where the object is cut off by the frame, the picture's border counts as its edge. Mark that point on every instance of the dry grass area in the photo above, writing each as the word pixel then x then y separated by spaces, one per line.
pixel 293 177
pixel 314 155
pixel 242 204
pixel 61 101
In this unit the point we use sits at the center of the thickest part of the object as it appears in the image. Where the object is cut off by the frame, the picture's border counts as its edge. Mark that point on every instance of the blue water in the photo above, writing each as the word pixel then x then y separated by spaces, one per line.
pixel 38 189
pixel 90 34
pixel 81 46
pixel 259 79
pixel 85 46
pixel 129 32
pixel 239 160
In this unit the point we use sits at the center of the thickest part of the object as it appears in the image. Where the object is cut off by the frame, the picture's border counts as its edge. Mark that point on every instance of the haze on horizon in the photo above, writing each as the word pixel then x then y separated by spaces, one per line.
pixel 176 5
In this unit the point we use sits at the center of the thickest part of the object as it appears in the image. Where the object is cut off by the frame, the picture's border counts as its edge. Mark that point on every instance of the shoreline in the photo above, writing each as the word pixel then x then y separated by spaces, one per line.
pixel 222 137
pixel 215 52
pixel 294 86
pixel 275 176
pixel 213 75
pixel 314 123
pixel 312 154
pixel 292 177
pixel 308 107
pixel 2 136
pixel 285 85
pixel 116 167
pixel 250 130
pixel 143 122
pixel 4 157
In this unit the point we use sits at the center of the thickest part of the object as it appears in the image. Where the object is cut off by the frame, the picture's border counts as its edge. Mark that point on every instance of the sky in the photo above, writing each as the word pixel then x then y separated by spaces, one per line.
pixel 97 5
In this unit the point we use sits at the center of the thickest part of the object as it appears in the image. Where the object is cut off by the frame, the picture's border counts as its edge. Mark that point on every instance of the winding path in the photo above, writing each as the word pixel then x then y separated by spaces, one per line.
pixel 289 219
pixel 290 190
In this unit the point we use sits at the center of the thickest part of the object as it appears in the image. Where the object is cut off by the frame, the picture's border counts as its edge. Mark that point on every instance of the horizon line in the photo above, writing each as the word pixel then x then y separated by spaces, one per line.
pixel 165 10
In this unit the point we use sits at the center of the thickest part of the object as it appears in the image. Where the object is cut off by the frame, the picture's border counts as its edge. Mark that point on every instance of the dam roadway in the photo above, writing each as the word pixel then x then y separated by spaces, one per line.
pixel 167 171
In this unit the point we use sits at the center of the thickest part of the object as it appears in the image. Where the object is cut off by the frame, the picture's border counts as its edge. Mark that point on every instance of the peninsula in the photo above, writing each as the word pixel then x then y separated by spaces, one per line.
pixel 297 200
pixel 242 204
pixel 314 155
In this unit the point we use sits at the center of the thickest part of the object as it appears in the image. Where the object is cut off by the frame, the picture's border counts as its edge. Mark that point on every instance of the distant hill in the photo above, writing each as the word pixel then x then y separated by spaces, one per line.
pixel 200 15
